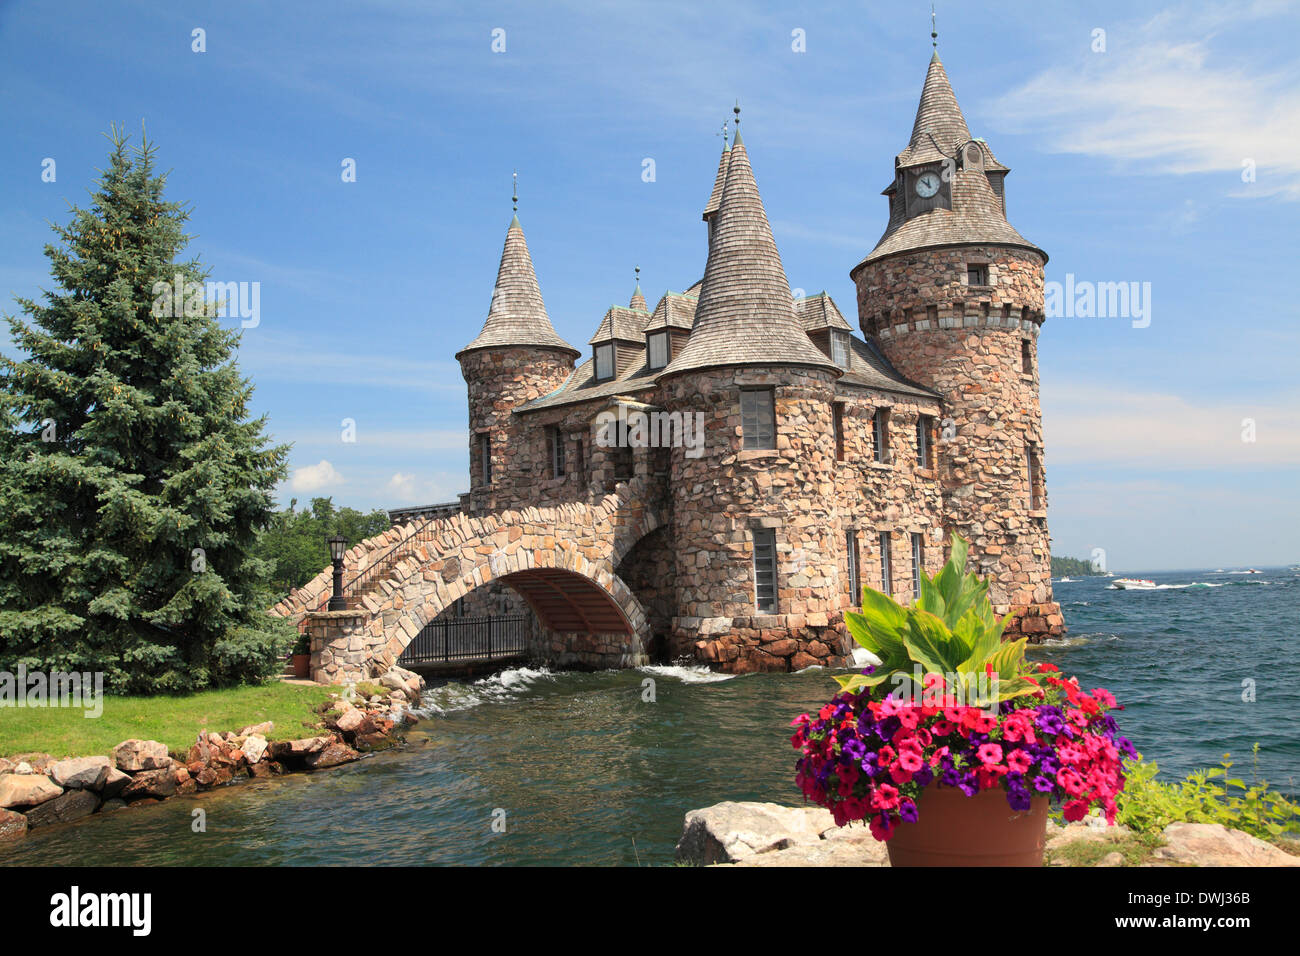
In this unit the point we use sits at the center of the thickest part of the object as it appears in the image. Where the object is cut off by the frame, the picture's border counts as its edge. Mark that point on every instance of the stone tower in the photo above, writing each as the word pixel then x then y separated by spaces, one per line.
pixel 953 296
pixel 516 358
pixel 764 479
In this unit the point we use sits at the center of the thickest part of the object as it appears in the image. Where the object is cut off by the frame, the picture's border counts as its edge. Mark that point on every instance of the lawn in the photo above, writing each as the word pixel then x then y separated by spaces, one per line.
pixel 176 721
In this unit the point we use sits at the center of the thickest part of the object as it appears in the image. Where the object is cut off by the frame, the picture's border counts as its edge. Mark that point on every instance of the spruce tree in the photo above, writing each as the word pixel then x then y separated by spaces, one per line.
pixel 133 483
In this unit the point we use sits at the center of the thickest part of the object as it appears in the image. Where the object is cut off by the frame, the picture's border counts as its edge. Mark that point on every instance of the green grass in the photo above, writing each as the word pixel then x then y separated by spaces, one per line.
pixel 176 721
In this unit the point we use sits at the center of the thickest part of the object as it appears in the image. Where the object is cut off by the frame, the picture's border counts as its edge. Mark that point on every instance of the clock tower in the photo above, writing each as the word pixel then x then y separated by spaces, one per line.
pixel 952 294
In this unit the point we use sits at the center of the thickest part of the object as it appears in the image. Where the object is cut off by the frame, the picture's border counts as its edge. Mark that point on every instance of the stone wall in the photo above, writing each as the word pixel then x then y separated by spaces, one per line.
pixel 966 343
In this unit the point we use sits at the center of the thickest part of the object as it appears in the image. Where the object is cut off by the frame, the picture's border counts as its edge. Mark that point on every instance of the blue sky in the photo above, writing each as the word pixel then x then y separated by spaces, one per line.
pixel 1127 166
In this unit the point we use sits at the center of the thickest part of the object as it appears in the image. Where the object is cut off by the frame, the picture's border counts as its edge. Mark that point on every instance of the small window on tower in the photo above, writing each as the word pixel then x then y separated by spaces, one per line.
pixel 880 434
pixel 557 453
pixel 485 459
pixel 886 569
pixel 924 449
pixel 765 570
pixel 1026 357
pixel 837 420
pixel 977 273
pixel 758 418
pixel 604 362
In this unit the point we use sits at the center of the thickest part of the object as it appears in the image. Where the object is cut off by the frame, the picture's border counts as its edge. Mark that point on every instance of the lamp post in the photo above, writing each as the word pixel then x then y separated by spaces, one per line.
pixel 337 545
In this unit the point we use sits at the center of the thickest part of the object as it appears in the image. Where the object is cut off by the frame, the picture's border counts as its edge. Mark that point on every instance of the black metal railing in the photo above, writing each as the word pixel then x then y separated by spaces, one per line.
pixel 468 639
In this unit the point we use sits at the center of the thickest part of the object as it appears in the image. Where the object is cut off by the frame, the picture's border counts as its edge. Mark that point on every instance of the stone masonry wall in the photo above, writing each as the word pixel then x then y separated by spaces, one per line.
pixel 966 342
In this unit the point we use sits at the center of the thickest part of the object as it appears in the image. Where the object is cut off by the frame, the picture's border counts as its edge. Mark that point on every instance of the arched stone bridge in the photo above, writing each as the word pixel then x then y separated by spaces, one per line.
pixel 562 560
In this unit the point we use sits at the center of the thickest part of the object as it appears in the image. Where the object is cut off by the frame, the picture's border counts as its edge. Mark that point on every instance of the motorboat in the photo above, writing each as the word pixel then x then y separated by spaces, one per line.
pixel 1134 584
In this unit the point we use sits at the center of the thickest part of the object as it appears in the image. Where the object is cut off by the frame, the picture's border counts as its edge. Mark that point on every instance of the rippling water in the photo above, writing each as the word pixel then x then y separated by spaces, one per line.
pixel 584 770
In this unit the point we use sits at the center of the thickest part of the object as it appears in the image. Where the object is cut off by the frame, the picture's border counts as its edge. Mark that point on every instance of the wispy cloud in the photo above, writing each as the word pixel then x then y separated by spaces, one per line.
pixel 1164 98
pixel 315 477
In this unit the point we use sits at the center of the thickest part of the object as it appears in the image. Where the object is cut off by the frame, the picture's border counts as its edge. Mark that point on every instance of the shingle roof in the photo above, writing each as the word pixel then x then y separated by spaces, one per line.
pixel 871 369
pixel 976 215
pixel 638 300
pixel 820 312
pixel 719 180
pixel 620 323
pixel 675 310
pixel 746 313
pixel 517 315
pixel 581 386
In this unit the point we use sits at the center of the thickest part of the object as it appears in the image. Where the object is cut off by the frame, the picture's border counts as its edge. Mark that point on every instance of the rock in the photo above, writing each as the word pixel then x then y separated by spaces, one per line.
pixel 821 853
pixel 150 783
pixel 298 748
pixel 371 742
pixel 134 755
pixel 333 755
pixel 7 766
pixel 81 773
pixel 114 783
pixel 729 832
pixel 13 825
pixel 350 721
pixel 1213 844
pixel 73 805
pixel 266 768
pixel 112 804
pixel 35 762
pixel 1058 836
pixel 26 790
pixel 24 768
pixel 255 747
pixel 404 682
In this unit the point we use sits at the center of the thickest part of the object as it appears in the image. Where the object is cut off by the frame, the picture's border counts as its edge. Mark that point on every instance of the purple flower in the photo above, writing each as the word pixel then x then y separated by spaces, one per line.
pixel 855 750
pixel 1043 784
pixel 1018 798
pixel 969 784
pixel 1050 720
pixel 907 811
pixel 923 776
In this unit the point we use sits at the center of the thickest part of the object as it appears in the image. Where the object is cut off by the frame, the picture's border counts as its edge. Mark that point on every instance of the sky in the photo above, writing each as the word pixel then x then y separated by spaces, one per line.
pixel 1156 144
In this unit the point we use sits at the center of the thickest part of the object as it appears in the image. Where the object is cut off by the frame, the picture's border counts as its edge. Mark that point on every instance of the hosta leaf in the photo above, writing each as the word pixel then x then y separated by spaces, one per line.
pixel 930 644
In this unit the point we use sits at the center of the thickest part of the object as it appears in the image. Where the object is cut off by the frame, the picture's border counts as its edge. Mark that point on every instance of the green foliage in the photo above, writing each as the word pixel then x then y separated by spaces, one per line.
pixel 1073 567
pixel 294 543
pixel 950 630
pixel 133 482
pixel 1148 805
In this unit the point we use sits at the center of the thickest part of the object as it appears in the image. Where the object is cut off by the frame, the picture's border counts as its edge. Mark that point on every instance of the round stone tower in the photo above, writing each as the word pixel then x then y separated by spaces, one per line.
pixel 953 295
pixel 755 519
pixel 517 357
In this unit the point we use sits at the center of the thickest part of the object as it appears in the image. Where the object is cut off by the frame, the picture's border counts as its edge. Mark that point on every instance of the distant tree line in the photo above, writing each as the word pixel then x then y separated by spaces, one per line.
pixel 1061 567
pixel 294 542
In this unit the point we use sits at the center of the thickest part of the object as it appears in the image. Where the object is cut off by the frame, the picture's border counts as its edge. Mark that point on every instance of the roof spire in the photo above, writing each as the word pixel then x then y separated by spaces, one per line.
pixel 737 141
pixel 638 300
pixel 934 32
pixel 515 197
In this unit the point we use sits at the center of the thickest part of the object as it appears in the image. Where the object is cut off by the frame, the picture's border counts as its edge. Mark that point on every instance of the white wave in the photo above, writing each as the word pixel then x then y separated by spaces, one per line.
pixel 454 695
pixel 687 674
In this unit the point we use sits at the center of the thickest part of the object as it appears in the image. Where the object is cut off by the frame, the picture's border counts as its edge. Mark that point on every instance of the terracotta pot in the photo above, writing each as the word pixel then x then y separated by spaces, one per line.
pixel 953 829
pixel 302 665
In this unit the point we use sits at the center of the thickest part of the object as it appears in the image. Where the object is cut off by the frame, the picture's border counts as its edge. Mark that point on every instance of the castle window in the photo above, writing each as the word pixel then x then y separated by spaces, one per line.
pixel 582 457
pixel 1035 478
pixel 837 421
pixel 918 562
pixel 1026 357
pixel 880 434
pixel 758 418
pixel 657 348
pixel 604 361
pixel 924 450
pixel 851 558
pixel 557 452
pixel 485 459
pixel 886 571
pixel 977 274
pixel 765 570
pixel 840 348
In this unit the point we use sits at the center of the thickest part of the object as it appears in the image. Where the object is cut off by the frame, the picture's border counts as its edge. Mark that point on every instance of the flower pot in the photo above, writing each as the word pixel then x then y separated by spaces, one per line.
pixel 302 665
pixel 953 829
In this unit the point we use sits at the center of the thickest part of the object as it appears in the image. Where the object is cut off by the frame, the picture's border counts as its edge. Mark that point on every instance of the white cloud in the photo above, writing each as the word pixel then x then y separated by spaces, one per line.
pixel 315 477
pixel 1160 98
pixel 1114 427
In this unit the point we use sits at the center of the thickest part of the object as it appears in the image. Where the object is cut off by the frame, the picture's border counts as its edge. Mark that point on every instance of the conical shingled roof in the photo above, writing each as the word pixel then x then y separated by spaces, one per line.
pixel 517 315
pixel 719 181
pixel 746 313
pixel 638 300
pixel 977 214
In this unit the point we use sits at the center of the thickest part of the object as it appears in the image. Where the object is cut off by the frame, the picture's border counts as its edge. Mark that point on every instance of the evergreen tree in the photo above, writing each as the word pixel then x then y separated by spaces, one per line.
pixel 133 482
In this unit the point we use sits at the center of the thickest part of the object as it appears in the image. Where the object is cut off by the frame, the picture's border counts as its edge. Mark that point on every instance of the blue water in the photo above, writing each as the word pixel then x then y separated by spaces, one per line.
pixel 582 768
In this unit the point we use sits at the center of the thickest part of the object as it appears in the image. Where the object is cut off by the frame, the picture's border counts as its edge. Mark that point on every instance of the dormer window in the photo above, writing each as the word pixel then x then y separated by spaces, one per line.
pixel 604 361
pixel 657 349
pixel 840 348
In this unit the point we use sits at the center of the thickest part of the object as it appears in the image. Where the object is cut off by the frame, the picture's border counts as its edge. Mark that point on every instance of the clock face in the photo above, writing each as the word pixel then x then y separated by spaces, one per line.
pixel 927 184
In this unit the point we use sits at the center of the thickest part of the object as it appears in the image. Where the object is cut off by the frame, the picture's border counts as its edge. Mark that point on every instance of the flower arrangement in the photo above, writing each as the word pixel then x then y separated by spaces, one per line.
pixel 971 714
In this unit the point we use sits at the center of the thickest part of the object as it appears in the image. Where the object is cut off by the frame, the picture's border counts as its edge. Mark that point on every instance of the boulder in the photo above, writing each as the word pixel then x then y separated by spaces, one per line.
pixel 7 766
pixel 81 773
pixel 255 746
pixel 265 768
pixel 1213 844
pixel 729 832
pixel 333 755
pixel 150 783
pixel 299 748
pixel 73 805
pixel 35 762
pixel 262 729
pixel 403 682
pixel 351 720
pixel 371 742
pixel 26 790
pixel 13 825
pixel 133 755
pixel 114 783
pixel 822 853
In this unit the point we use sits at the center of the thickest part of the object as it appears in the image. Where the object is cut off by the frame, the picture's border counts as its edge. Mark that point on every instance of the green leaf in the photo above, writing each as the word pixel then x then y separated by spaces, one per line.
pixel 930 644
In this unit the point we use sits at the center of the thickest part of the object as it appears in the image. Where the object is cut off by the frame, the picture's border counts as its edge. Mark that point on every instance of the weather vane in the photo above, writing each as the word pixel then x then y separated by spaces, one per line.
pixel 934 29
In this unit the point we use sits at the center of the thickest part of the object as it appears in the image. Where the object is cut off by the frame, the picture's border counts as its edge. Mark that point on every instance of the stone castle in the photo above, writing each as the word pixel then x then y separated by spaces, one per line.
pixel 771 461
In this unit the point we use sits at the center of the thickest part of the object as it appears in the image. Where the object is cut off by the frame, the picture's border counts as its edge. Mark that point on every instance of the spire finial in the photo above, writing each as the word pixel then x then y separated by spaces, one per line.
pixel 934 30
pixel 736 109
pixel 725 131
pixel 638 277
pixel 515 195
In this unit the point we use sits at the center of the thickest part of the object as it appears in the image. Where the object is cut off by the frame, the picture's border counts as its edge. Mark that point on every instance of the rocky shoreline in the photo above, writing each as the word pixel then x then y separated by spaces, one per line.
pixel 37 790
pixel 768 834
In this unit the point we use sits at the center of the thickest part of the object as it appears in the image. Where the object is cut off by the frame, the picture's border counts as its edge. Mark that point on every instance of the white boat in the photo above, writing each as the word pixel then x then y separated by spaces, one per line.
pixel 1063 580
pixel 1133 584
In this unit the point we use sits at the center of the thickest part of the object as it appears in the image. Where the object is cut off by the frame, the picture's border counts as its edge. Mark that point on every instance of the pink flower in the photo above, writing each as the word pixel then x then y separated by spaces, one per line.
pixel 1075 810
pixel 990 754
pixel 1019 761
pixel 910 760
